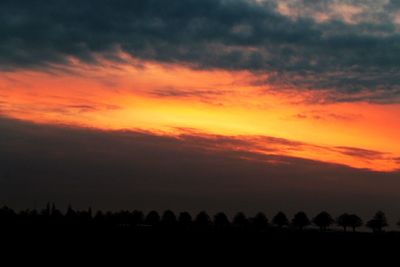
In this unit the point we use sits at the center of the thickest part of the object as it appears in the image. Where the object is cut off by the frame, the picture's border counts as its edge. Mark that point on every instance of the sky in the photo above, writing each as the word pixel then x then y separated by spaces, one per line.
pixel 211 104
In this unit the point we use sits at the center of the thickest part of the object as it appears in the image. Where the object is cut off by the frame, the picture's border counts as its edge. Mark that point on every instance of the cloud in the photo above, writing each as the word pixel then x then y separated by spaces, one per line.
pixel 354 55
pixel 128 169
pixel 324 115
pixel 175 92
pixel 349 11
pixel 362 153
pixel 207 95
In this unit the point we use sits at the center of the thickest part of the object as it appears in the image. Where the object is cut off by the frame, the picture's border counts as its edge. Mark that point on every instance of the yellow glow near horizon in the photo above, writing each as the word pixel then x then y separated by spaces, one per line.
pixel 167 98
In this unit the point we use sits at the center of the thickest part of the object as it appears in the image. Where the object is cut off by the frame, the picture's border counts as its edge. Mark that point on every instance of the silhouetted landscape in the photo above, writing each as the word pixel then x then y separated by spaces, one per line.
pixel 194 235
pixel 279 226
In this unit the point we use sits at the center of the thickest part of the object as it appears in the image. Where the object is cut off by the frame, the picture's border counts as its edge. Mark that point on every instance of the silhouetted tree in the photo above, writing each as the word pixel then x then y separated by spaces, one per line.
pixel 7 216
pixel 53 219
pixel 85 217
pixel 120 219
pixel 378 222
pixel 202 220
pixel 185 219
pixel 300 220
pixel 240 220
pixel 99 219
pixel 169 219
pixel 343 221
pixel 53 209
pixel 46 211
pixel 109 218
pixel 323 220
pixel 280 219
pixel 221 220
pixel 137 218
pixel 56 215
pixel 25 214
pixel 71 217
pixel 70 214
pixel 153 218
pixel 354 221
pixel 260 221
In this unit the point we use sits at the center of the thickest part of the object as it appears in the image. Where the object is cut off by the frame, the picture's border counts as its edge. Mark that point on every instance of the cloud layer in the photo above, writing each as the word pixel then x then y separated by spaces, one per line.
pixel 347 49
pixel 119 169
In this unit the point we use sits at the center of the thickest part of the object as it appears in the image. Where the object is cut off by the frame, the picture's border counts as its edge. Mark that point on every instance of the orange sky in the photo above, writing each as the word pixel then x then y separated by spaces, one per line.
pixel 168 99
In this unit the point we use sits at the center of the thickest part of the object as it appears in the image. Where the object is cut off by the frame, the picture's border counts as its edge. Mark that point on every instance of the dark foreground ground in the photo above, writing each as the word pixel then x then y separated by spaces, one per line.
pixel 187 247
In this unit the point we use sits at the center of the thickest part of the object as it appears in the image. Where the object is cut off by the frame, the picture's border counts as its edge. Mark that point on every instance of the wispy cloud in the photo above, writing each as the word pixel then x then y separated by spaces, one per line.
pixel 267 145
pixel 324 115
pixel 363 153
pixel 176 92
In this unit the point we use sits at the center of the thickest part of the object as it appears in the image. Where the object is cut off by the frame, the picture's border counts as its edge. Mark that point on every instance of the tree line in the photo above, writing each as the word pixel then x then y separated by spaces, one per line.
pixel 51 216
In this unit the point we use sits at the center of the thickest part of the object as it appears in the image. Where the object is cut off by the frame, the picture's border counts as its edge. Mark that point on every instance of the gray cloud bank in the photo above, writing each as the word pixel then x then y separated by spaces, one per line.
pixel 124 169
pixel 357 61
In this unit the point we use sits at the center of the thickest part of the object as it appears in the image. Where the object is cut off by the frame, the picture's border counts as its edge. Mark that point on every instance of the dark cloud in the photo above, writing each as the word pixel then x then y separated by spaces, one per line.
pixel 362 153
pixel 351 11
pixel 275 146
pixel 323 115
pixel 209 96
pixel 359 60
pixel 176 92
pixel 124 169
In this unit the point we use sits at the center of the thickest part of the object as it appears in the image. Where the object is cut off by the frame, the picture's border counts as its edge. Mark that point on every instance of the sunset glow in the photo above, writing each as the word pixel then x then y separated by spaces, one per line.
pixel 172 99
